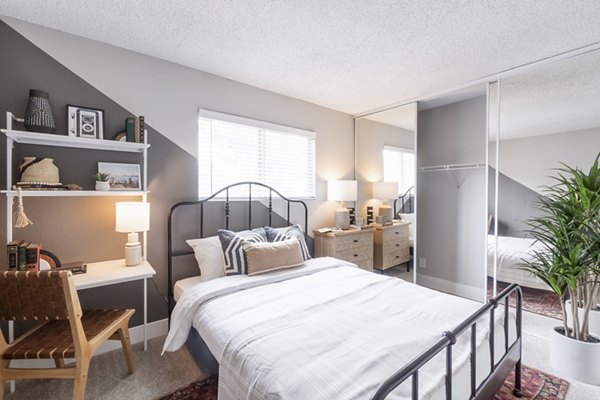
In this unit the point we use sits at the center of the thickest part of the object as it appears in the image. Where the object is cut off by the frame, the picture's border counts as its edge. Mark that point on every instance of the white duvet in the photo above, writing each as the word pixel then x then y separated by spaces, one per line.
pixel 324 331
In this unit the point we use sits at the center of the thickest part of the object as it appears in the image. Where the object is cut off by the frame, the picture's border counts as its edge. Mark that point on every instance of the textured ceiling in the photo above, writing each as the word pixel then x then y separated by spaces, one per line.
pixel 352 56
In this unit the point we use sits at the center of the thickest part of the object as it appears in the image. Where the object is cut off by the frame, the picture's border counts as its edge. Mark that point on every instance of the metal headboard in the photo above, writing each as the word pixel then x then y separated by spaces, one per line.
pixel 227 210
pixel 407 203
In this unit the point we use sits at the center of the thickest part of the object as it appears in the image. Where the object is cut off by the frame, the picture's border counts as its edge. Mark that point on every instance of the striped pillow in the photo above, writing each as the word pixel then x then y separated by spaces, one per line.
pixel 232 244
pixel 292 232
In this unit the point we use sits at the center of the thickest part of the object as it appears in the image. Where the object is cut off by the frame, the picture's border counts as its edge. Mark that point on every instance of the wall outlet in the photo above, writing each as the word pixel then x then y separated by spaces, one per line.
pixel 422 263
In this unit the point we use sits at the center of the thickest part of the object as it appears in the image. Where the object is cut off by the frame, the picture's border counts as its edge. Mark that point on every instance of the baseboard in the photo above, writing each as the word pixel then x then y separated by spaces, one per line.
pixel 458 289
pixel 136 334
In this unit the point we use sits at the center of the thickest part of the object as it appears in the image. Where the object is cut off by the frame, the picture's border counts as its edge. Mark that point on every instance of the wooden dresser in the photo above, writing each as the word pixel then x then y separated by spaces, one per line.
pixel 391 245
pixel 352 245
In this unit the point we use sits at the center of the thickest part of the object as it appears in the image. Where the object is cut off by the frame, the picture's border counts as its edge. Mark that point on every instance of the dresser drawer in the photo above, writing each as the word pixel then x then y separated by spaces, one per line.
pixel 393 258
pixel 361 256
pixel 353 241
pixel 395 233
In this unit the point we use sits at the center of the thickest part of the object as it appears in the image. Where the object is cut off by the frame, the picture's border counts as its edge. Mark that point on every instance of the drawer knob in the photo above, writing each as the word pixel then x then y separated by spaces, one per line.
pixel 355 240
pixel 356 255
pixel 397 256
pixel 397 245
pixel 397 233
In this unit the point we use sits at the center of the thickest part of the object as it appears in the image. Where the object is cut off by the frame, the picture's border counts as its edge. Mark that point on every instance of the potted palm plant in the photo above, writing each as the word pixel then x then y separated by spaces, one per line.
pixel 568 230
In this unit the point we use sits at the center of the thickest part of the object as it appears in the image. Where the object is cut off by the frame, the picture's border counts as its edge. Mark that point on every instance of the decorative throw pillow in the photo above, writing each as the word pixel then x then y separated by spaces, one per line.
pixel 265 256
pixel 294 231
pixel 209 256
pixel 232 244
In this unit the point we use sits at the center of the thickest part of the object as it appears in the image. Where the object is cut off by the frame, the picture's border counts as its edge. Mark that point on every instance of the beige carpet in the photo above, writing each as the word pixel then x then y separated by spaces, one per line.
pixel 155 376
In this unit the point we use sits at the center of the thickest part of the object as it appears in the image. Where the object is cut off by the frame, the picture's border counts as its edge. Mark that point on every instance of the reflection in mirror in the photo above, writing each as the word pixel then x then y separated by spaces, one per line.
pixel 385 144
pixel 549 115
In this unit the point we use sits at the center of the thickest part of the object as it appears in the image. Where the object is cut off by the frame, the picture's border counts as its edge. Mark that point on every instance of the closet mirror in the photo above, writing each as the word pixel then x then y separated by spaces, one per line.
pixel 385 171
pixel 548 115
pixel 452 193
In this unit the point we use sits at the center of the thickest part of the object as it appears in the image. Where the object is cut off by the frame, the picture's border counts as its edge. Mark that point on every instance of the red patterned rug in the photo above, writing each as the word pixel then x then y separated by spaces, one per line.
pixel 537 385
pixel 534 300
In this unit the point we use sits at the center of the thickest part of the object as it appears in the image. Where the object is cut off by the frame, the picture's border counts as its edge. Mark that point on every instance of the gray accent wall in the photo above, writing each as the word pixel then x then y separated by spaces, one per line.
pixel 451 219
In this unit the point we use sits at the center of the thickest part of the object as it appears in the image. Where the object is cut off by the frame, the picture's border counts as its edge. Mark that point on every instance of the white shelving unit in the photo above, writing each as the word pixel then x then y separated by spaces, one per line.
pixel 44 139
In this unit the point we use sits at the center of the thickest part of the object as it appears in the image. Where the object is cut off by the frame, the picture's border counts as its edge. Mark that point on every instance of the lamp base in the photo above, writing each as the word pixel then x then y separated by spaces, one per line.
pixel 342 218
pixel 385 211
pixel 133 254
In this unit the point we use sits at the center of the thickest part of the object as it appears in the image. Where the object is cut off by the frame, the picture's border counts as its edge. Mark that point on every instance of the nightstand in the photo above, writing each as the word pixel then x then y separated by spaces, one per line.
pixel 391 245
pixel 354 245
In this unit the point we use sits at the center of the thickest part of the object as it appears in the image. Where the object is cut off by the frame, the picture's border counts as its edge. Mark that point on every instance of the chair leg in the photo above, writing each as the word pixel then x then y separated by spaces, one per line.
pixel 59 363
pixel 81 375
pixel 126 343
pixel 3 365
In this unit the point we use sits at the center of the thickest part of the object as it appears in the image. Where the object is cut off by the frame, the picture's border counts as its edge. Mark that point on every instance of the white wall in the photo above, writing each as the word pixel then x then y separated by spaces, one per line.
pixel 530 161
pixel 169 96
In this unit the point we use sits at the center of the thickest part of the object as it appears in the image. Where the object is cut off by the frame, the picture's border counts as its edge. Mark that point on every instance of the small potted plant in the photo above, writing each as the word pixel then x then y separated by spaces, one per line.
pixel 568 231
pixel 102 181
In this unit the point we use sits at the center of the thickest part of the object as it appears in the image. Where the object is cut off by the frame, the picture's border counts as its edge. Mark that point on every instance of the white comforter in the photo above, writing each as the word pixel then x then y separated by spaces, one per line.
pixel 324 331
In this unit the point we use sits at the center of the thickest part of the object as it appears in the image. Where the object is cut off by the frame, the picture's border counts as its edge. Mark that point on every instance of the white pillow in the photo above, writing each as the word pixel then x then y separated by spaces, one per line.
pixel 209 255
pixel 411 228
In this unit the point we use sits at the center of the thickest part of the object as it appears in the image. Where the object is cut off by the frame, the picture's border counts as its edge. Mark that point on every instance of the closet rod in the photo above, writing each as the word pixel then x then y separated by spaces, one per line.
pixel 451 167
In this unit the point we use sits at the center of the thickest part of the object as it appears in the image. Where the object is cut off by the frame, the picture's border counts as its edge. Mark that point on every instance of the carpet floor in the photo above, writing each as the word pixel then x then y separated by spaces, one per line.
pixel 536 385
pixel 535 300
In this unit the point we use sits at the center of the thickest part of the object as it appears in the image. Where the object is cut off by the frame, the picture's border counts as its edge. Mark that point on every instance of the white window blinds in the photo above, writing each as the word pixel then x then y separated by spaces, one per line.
pixel 234 149
pixel 399 166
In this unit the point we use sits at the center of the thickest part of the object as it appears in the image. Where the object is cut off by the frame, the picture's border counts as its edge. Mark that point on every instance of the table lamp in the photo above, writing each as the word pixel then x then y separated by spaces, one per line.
pixel 131 218
pixel 342 191
pixel 384 191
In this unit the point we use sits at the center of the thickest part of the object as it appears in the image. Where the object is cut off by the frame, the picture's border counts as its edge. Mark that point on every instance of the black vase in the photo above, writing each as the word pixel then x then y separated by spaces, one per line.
pixel 38 116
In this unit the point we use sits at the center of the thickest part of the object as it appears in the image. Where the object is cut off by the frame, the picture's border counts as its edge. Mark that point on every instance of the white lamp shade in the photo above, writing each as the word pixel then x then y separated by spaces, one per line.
pixel 341 190
pixel 385 190
pixel 132 217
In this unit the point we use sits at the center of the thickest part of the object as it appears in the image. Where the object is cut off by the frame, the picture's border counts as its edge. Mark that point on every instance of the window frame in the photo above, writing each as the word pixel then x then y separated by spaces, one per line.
pixel 399 149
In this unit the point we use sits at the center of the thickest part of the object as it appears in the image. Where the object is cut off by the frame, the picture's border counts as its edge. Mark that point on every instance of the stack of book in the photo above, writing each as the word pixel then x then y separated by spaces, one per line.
pixel 23 256
pixel 134 129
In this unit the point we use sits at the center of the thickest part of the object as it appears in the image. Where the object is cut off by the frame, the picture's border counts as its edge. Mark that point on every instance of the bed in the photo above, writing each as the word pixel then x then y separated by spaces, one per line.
pixel 330 330
pixel 512 252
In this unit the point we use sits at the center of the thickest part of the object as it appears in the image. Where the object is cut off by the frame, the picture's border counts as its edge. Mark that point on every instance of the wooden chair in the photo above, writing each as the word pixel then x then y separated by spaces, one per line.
pixel 65 331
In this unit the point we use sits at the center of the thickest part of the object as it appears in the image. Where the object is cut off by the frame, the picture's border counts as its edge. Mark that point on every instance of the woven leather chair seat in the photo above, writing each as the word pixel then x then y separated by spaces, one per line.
pixel 56 341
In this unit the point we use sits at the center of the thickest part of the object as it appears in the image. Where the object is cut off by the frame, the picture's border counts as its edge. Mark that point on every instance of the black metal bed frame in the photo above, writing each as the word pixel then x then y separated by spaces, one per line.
pixel 498 371
pixel 403 203
pixel 227 209
pixel 487 388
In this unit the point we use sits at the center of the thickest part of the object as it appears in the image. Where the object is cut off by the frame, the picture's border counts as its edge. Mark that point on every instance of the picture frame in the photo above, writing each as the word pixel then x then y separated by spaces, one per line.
pixel 122 176
pixel 85 122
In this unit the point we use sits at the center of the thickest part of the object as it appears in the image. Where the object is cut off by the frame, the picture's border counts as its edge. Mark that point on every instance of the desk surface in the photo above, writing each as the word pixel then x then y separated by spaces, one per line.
pixel 111 272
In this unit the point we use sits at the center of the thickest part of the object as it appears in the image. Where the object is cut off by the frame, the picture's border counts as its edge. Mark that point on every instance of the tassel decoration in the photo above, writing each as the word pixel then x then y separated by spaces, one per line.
pixel 21 220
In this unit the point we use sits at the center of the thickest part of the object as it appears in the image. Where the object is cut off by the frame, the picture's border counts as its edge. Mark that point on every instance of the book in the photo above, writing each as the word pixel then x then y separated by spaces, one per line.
pixel 130 129
pixel 12 251
pixel 76 267
pixel 32 257
pixel 22 257
pixel 142 129
pixel 136 130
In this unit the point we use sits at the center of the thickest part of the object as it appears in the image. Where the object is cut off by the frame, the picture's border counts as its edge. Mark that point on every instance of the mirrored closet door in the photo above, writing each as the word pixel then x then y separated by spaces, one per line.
pixel 548 116
pixel 385 171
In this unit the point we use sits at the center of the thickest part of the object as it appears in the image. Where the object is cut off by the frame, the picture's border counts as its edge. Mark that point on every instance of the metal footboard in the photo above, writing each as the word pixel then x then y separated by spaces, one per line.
pixel 499 371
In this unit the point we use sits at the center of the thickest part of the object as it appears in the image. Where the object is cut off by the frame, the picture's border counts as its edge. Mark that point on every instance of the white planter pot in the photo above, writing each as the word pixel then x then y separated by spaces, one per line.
pixel 102 186
pixel 594 318
pixel 574 359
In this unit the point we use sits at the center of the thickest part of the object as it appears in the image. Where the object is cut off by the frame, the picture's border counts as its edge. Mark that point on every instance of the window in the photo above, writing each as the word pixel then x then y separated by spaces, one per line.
pixel 399 166
pixel 233 149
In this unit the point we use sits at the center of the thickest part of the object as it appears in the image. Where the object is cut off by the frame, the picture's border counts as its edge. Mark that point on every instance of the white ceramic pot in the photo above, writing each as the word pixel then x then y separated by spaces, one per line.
pixel 594 318
pixel 102 186
pixel 575 359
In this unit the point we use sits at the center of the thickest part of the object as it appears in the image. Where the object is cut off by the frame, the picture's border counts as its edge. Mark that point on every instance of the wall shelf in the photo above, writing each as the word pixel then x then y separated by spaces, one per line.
pixel 76 193
pixel 49 139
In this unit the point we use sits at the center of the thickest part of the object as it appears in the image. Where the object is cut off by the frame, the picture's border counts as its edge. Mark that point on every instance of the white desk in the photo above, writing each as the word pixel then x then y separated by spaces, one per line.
pixel 112 272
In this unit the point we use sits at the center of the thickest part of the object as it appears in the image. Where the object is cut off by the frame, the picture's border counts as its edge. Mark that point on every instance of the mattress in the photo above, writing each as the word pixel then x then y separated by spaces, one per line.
pixel 328 331
pixel 512 252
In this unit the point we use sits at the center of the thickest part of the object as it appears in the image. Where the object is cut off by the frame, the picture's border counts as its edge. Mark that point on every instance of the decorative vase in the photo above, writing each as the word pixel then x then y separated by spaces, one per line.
pixel 573 358
pixel 39 170
pixel 38 116
pixel 102 186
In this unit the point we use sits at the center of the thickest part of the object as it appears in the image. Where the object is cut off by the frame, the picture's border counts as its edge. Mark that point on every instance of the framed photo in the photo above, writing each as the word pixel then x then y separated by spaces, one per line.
pixel 122 176
pixel 85 122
